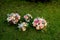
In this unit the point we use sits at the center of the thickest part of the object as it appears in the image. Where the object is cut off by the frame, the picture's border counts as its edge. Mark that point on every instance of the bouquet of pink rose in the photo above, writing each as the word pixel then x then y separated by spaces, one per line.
pixel 27 17
pixel 39 23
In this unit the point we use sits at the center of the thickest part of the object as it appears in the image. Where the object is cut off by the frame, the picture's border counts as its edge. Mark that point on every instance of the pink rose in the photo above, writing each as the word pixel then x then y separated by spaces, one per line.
pixel 26 17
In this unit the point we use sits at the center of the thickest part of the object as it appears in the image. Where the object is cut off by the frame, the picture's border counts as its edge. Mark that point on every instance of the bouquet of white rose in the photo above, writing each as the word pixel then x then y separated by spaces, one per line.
pixel 22 26
pixel 13 18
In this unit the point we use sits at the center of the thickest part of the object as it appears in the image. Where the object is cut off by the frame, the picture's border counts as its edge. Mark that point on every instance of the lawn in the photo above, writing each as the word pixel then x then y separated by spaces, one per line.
pixel 50 11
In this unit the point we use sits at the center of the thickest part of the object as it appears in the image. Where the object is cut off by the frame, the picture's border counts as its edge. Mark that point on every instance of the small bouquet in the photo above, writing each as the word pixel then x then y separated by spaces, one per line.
pixel 23 26
pixel 13 18
pixel 39 23
pixel 27 17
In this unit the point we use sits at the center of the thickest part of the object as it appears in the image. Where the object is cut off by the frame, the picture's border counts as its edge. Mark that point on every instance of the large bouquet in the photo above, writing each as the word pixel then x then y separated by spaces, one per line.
pixel 39 23
pixel 13 18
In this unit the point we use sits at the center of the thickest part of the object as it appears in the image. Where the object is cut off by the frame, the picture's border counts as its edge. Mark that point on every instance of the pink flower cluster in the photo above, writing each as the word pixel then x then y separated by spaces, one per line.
pixel 39 22
pixel 27 17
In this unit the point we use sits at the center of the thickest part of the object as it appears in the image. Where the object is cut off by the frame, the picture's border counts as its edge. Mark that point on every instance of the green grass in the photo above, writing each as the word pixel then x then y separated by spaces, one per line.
pixel 50 11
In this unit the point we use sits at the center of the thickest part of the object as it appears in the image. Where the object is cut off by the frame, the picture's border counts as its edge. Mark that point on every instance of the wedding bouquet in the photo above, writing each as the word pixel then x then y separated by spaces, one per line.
pixel 13 18
pixel 39 23
pixel 22 26
pixel 27 17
